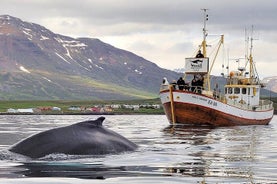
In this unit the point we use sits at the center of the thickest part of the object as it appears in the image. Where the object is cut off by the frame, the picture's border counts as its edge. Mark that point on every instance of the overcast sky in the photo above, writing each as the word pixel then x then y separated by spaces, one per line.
pixel 162 31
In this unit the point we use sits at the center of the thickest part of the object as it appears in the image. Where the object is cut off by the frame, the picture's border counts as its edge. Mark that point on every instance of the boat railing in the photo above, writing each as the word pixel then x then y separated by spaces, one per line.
pixel 266 104
pixel 263 105
pixel 242 81
pixel 193 89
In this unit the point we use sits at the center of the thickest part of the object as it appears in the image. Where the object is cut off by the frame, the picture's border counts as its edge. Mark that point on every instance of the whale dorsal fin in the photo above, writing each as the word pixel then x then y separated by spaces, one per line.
pixel 93 123
pixel 98 121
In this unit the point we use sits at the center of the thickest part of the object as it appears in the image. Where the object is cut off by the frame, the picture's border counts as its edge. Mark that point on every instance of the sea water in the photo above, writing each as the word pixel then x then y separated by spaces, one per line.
pixel 166 154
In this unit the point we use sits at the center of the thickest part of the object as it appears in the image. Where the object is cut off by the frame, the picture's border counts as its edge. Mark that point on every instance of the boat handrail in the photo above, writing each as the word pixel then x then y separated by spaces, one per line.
pixel 242 81
pixel 266 102
pixel 263 105
pixel 193 89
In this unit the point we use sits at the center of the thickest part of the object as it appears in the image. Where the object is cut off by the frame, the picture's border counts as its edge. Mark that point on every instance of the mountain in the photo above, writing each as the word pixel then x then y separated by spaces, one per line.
pixel 179 70
pixel 37 64
pixel 271 85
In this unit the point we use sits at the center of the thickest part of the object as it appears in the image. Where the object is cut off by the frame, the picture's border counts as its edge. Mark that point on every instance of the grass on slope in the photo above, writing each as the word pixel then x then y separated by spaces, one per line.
pixel 126 91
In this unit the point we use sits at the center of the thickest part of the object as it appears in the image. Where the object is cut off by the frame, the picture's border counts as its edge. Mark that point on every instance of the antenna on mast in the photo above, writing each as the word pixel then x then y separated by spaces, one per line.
pixel 251 62
pixel 205 33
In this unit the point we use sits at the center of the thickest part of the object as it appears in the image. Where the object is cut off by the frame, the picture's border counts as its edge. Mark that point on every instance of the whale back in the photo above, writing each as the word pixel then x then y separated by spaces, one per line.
pixel 83 138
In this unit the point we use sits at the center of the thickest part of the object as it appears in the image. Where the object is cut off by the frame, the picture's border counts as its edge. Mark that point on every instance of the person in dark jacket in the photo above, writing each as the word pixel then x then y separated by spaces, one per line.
pixel 199 54
pixel 193 84
pixel 181 83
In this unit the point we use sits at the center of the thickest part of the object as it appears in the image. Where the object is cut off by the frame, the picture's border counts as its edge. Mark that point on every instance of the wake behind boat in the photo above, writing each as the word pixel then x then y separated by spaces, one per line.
pixel 195 103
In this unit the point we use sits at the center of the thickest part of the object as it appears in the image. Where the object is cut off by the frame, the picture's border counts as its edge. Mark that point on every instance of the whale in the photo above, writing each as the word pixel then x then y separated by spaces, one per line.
pixel 83 138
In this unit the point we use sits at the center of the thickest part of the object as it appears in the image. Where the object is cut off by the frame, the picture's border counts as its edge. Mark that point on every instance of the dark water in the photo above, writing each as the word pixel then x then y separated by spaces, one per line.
pixel 166 154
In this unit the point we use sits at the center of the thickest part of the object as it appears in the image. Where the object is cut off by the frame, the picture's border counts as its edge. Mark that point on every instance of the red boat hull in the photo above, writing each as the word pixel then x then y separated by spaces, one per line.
pixel 198 115
pixel 183 107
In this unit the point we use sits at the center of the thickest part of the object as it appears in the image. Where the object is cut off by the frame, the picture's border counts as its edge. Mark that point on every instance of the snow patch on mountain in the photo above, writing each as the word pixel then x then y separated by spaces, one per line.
pixel 62 58
pixel 22 68
pixel 44 38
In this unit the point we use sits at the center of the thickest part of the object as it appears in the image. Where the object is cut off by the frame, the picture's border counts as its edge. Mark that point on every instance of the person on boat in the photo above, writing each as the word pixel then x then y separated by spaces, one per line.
pixel 200 84
pixel 187 87
pixel 199 54
pixel 197 84
pixel 193 84
pixel 216 92
pixel 165 81
pixel 181 83
pixel 174 84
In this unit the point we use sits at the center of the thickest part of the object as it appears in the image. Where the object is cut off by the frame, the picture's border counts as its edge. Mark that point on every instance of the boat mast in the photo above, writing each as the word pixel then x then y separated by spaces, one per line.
pixel 251 58
pixel 254 78
pixel 205 33
pixel 204 45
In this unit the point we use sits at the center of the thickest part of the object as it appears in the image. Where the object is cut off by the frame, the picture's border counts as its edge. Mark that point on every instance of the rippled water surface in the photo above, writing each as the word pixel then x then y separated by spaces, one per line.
pixel 246 154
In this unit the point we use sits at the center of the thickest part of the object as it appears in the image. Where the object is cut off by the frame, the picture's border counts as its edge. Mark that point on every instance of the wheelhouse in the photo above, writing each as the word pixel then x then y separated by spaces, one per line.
pixel 242 94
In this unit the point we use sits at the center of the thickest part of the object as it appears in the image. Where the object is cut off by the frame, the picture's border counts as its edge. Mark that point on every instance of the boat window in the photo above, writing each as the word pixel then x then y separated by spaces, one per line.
pixel 237 90
pixel 244 91
pixel 230 90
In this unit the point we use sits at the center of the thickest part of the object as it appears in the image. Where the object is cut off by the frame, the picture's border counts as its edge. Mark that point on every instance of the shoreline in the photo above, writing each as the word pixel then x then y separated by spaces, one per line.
pixel 85 113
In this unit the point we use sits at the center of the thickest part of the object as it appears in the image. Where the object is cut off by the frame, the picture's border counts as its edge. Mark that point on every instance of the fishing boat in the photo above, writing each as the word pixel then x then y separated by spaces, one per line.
pixel 237 102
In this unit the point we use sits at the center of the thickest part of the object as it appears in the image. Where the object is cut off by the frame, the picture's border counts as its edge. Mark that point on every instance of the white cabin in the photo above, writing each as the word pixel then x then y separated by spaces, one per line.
pixel 242 94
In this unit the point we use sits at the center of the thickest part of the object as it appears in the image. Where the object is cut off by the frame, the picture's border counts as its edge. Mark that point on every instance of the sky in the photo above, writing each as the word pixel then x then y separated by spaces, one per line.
pixel 164 32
